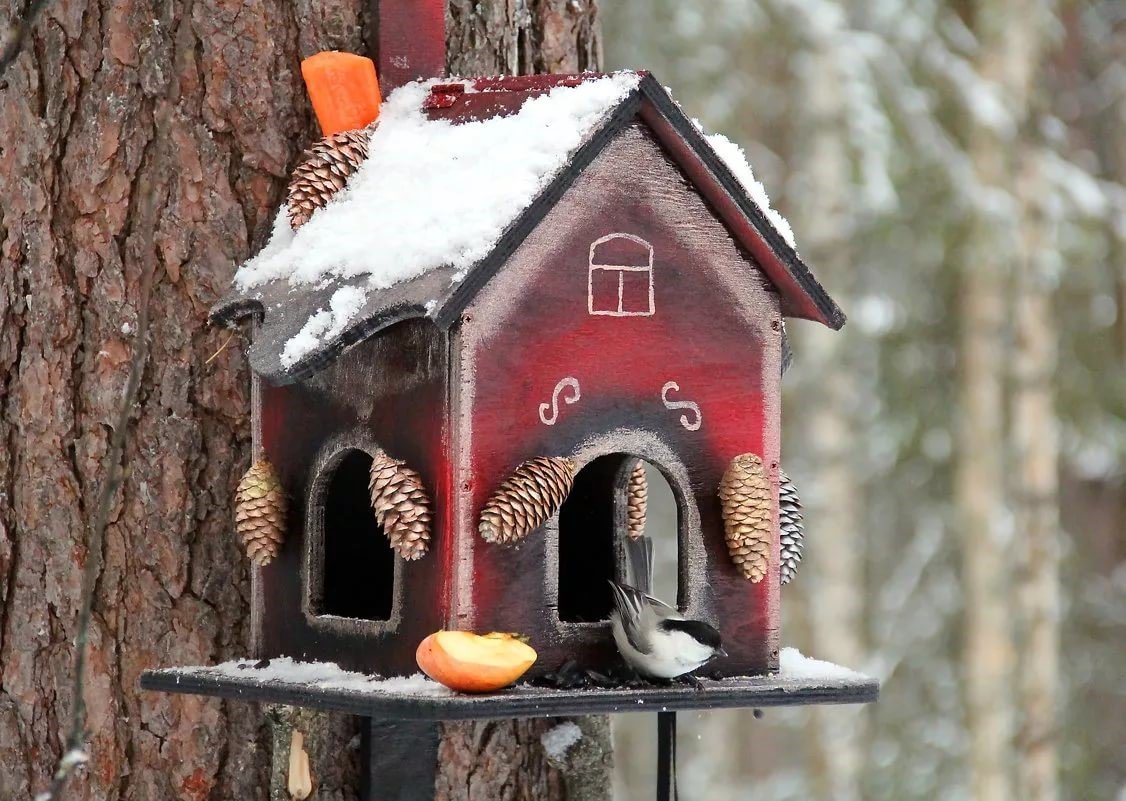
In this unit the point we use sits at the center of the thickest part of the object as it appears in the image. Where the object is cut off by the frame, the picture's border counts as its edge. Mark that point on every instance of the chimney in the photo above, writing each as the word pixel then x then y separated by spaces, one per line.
pixel 412 41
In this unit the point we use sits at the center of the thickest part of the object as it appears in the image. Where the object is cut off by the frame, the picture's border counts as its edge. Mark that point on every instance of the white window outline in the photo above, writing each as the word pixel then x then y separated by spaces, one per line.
pixel 621 270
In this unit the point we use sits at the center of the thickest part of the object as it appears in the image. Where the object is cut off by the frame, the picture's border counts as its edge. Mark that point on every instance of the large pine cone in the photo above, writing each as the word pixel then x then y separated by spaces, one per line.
pixel 324 170
pixel 637 501
pixel 260 512
pixel 526 499
pixel 747 515
pixel 401 506
pixel 791 529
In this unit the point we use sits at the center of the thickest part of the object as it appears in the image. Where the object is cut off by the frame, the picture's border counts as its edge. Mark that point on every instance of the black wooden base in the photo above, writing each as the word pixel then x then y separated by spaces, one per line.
pixel 520 701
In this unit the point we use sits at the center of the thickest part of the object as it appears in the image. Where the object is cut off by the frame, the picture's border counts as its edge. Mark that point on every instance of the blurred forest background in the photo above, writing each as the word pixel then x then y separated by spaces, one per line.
pixel 955 172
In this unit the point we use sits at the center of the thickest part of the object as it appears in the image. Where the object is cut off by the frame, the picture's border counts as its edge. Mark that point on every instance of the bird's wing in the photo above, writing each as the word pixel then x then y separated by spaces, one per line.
pixel 637 614
pixel 639 563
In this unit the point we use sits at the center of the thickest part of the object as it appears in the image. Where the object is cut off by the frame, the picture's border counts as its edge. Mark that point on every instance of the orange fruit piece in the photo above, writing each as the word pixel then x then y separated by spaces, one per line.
pixel 472 663
pixel 343 89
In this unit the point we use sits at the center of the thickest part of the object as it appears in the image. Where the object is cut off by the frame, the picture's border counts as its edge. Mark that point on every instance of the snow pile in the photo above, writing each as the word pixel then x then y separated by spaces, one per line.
pixel 323 326
pixel 433 194
pixel 736 160
pixel 559 740
pixel 792 664
pixel 325 676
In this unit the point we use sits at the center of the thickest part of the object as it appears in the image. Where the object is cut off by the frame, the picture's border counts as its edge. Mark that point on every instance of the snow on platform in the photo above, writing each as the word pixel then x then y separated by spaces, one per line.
pixel 319 685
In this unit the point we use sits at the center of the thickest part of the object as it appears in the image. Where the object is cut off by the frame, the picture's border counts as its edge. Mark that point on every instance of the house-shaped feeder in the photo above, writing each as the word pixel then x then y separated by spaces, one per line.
pixel 527 287
pixel 539 268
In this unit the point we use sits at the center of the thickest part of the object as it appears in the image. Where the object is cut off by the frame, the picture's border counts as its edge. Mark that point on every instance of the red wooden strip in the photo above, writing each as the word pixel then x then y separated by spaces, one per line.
pixel 412 41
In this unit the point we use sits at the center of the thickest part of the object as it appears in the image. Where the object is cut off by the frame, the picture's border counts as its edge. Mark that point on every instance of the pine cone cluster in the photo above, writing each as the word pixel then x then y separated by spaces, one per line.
pixel 401 506
pixel 791 529
pixel 324 170
pixel 260 512
pixel 526 499
pixel 637 497
pixel 745 494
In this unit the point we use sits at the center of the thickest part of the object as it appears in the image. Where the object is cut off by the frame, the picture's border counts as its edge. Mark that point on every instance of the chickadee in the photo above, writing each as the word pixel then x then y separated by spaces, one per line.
pixel 653 637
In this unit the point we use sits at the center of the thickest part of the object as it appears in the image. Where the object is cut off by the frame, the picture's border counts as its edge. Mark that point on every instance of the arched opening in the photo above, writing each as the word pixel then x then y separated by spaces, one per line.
pixel 593 529
pixel 357 577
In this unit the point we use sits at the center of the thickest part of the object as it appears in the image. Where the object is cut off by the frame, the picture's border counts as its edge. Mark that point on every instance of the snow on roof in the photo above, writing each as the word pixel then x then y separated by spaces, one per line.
pixel 430 194
pixel 453 167
pixel 434 193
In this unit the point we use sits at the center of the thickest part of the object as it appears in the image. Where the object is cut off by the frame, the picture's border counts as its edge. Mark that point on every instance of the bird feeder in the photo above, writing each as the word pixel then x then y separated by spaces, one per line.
pixel 486 313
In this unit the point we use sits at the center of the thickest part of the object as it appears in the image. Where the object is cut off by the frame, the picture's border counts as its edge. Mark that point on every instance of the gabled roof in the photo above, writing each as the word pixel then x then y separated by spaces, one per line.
pixel 459 173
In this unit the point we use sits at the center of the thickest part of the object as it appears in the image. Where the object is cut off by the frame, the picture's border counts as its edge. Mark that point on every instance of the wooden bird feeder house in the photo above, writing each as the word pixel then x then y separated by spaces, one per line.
pixel 498 298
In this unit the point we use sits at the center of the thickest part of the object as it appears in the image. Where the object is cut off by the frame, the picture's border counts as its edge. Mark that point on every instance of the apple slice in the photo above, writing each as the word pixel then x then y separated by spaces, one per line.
pixel 472 663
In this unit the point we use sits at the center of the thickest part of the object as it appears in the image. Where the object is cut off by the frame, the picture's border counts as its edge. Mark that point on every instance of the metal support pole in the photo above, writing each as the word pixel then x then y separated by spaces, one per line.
pixel 400 759
pixel 666 756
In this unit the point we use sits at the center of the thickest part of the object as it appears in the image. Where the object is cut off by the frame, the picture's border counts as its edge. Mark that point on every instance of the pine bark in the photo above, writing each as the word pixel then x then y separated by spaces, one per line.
pixel 199 108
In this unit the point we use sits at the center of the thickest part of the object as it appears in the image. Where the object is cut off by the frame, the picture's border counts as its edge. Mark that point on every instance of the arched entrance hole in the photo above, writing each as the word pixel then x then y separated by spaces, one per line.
pixel 594 524
pixel 357 567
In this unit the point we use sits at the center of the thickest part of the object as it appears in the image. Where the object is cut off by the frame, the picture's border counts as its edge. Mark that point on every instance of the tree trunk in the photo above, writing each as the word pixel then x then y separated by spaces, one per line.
pixel 1009 35
pixel 200 107
pixel 831 491
pixel 1036 453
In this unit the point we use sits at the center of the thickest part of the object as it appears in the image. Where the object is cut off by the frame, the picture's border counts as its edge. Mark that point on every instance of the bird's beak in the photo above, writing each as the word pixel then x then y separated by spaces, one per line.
pixel 720 652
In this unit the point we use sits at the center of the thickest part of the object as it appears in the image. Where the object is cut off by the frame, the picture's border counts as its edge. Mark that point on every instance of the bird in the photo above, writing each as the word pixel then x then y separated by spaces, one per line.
pixel 655 639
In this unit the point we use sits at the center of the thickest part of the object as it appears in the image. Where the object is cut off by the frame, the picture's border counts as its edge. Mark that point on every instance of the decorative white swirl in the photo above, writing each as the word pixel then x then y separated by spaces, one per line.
pixel 691 425
pixel 553 407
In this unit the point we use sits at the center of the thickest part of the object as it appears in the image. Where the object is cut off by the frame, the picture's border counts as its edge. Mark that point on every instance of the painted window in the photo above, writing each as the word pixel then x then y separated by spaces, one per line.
pixel 620 279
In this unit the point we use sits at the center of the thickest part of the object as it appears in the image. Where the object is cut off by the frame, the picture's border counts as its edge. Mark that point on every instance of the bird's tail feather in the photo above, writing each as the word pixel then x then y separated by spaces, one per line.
pixel 639 563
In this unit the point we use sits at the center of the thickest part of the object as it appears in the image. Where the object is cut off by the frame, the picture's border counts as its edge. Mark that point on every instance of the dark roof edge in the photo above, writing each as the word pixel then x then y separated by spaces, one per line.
pixel 320 358
pixel 232 309
pixel 829 313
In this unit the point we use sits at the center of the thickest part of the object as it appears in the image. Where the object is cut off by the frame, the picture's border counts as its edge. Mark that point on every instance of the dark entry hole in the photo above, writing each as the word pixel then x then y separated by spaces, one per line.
pixel 592 530
pixel 359 568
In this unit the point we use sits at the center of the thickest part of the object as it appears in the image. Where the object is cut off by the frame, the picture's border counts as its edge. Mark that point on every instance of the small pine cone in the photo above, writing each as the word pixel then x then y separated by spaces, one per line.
pixel 791 529
pixel 638 499
pixel 526 499
pixel 745 494
pixel 260 512
pixel 324 170
pixel 401 506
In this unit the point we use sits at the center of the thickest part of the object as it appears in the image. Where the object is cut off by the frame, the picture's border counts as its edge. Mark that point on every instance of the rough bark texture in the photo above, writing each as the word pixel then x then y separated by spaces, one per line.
pixel 492 760
pixel 200 104
pixel 333 744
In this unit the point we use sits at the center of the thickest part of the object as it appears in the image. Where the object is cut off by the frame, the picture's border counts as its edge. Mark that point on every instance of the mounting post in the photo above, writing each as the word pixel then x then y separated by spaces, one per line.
pixel 400 759
pixel 666 756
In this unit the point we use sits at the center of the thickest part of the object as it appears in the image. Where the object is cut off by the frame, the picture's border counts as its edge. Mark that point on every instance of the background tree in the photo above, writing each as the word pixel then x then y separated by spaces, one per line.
pixel 925 94
pixel 197 109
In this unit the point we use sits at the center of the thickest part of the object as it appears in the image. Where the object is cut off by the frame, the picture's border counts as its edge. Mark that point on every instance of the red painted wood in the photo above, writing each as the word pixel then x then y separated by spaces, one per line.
pixel 796 302
pixel 389 392
pixel 412 41
pixel 529 328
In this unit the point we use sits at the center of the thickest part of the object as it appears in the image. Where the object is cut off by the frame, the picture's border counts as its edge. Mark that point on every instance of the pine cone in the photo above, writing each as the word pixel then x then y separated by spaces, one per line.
pixel 260 512
pixel 401 506
pixel 638 498
pixel 324 170
pixel 526 499
pixel 747 515
pixel 791 529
